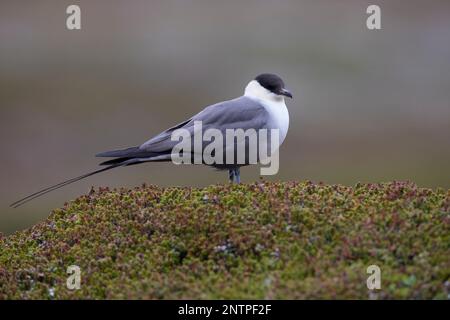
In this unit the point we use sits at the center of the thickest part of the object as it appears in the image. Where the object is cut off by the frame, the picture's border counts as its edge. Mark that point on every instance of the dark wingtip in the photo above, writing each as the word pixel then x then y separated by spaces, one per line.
pixel 118 153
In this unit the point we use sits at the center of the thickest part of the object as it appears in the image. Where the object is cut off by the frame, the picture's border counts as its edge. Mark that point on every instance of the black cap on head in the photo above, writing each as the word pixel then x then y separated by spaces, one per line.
pixel 273 83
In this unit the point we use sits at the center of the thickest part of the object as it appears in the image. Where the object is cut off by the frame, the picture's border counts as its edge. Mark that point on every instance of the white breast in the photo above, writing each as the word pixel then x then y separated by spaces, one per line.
pixel 279 117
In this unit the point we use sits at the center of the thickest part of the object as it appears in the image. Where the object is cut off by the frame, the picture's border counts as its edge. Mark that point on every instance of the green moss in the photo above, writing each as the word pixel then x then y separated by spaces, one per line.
pixel 263 240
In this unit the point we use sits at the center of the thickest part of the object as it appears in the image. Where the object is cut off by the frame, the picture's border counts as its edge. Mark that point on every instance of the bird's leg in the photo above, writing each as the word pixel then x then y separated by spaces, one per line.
pixel 231 175
pixel 237 174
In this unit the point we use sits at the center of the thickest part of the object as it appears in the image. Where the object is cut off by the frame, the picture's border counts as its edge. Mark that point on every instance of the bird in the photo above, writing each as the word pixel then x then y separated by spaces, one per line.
pixel 262 106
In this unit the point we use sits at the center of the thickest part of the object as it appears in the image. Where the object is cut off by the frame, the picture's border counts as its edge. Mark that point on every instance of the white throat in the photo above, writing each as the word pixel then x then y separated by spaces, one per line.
pixel 274 104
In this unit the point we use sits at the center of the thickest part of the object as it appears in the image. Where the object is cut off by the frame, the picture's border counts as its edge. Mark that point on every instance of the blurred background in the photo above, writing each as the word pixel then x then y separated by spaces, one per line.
pixel 369 106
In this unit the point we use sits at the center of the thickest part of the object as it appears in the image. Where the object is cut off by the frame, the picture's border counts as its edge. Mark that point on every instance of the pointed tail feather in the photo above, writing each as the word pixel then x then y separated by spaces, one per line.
pixel 60 185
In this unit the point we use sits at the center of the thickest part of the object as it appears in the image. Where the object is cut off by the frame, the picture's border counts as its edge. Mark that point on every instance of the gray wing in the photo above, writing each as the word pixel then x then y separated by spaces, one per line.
pixel 240 113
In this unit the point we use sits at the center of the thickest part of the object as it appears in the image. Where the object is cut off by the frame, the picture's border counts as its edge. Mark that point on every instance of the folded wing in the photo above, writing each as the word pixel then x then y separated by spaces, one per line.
pixel 241 113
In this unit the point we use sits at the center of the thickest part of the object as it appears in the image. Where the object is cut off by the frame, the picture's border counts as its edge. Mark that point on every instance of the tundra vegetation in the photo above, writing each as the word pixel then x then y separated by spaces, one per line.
pixel 286 240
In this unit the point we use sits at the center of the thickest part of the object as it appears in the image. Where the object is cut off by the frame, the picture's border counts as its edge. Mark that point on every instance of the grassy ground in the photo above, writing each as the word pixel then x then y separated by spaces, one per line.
pixel 263 240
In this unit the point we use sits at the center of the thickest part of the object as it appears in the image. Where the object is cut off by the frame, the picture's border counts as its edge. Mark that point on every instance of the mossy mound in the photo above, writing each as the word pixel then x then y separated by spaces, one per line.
pixel 263 240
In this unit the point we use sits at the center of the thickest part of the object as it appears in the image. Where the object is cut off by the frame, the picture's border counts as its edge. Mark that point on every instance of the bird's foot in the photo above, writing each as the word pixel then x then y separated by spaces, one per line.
pixel 235 175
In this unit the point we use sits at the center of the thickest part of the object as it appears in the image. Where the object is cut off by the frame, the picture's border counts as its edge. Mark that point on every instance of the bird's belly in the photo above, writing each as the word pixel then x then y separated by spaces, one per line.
pixel 279 119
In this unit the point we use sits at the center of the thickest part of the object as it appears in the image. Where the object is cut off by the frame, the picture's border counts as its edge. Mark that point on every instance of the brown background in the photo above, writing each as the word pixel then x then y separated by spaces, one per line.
pixel 369 106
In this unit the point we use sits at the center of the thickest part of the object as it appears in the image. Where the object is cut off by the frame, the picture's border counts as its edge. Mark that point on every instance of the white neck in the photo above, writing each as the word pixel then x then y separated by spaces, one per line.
pixel 256 91
pixel 274 104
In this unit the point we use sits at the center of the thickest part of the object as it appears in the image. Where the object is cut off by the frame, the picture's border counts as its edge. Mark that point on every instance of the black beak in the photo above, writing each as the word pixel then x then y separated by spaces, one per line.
pixel 285 92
